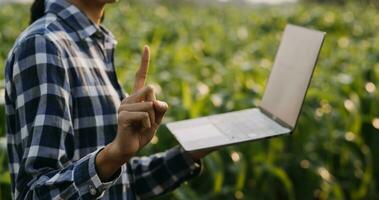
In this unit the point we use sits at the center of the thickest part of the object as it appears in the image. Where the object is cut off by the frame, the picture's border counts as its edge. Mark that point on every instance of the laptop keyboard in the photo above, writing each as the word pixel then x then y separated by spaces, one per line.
pixel 245 124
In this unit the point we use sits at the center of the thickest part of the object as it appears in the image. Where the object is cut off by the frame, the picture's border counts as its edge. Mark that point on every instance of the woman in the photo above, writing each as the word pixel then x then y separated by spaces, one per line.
pixel 72 132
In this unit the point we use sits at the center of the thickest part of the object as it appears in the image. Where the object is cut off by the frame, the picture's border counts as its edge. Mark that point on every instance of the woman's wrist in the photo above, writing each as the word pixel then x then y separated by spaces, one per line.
pixel 109 161
pixel 198 155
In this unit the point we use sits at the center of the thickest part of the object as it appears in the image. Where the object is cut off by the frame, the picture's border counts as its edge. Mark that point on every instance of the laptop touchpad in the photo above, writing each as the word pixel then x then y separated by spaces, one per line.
pixel 198 132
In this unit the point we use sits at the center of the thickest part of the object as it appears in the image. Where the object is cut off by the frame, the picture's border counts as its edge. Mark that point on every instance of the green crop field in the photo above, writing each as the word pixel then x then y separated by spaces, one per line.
pixel 214 57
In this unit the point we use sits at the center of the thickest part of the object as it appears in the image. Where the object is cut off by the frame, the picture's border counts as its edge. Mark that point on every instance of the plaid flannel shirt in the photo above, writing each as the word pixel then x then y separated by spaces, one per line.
pixel 62 97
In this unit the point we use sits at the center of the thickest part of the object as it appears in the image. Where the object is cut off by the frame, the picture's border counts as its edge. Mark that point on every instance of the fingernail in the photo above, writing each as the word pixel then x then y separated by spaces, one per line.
pixel 146 47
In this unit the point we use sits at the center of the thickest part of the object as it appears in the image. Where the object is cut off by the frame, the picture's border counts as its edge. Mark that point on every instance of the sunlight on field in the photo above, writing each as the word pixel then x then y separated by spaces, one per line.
pixel 216 58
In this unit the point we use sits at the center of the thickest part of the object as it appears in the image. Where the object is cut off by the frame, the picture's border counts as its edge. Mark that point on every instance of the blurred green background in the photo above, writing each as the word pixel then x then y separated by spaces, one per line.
pixel 212 57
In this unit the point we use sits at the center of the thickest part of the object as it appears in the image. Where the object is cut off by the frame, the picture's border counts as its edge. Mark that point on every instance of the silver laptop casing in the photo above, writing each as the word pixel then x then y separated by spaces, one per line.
pixel 282 101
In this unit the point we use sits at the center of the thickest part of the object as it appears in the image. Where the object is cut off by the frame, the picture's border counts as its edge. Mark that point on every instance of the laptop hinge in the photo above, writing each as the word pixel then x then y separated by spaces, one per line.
pixel 276 119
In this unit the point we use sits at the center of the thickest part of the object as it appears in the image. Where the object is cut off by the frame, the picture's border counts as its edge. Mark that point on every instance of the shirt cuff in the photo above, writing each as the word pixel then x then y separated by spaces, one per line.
pixel 86 179
pixel 195 167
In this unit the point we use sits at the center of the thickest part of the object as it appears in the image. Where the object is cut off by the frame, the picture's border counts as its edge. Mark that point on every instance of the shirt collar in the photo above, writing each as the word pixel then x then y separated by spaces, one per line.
pixel 76 19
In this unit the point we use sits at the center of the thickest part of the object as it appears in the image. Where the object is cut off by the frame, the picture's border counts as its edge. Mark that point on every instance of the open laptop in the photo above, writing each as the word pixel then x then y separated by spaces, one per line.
pixel 281 104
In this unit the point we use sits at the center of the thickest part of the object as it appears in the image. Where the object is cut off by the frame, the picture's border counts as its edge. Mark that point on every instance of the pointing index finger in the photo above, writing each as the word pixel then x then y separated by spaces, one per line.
pixel 141 74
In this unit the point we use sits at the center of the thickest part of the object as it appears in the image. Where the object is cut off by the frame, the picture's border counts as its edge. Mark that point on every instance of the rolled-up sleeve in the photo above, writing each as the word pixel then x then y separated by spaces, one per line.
pixel 40 88
pixel 155 175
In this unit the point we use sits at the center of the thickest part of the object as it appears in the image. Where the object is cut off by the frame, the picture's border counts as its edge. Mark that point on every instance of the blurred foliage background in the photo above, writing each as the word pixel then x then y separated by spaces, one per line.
pixel 210 57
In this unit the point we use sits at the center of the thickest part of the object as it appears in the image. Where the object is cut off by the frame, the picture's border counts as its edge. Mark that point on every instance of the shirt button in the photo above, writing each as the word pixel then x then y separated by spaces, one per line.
pixel 92 190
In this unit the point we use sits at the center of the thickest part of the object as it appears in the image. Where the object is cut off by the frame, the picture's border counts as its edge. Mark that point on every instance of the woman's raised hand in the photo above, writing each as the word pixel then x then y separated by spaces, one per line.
pixel 140 113
pixel 139 116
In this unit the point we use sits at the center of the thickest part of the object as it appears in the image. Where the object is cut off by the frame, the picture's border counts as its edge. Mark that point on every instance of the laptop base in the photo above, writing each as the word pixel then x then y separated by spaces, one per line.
pixel 225 129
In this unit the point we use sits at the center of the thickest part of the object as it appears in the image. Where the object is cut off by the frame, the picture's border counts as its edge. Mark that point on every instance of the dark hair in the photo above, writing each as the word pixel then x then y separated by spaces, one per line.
pixel 37 10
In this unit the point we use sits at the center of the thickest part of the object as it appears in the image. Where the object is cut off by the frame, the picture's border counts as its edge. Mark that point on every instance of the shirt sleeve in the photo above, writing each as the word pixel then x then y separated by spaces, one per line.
pixel 46 148
pixel 160 173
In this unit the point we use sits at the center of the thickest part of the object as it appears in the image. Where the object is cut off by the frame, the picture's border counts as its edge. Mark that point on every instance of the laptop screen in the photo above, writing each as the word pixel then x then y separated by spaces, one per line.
pixel 291 73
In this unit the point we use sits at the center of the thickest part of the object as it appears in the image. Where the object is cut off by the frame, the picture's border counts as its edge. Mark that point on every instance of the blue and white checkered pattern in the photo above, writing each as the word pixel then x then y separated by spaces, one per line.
pixel 62 97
